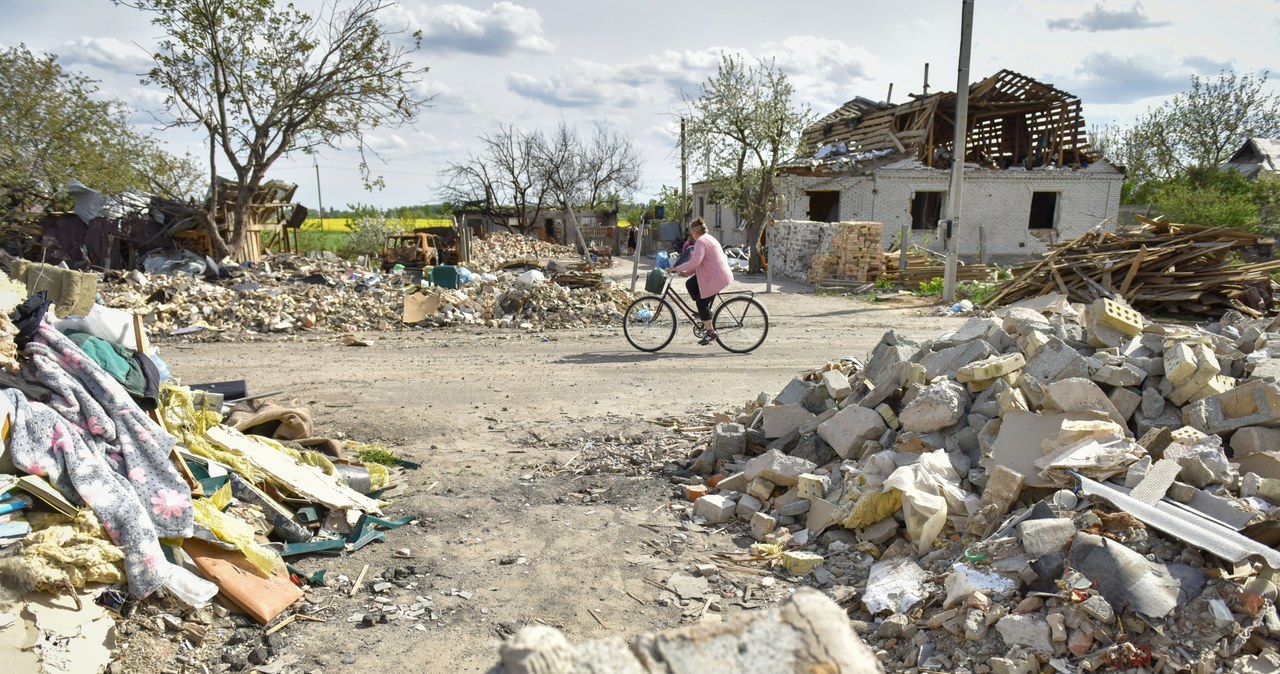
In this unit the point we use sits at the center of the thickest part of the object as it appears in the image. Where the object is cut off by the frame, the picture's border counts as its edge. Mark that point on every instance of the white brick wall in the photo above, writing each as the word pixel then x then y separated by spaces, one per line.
pixel 993 217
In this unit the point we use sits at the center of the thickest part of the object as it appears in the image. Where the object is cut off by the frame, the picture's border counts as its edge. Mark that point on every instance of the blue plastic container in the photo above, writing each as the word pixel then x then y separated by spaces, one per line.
pixel 663 260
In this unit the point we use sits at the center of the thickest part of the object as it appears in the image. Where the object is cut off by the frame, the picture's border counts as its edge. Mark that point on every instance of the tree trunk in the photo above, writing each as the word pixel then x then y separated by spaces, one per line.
pixel 753 239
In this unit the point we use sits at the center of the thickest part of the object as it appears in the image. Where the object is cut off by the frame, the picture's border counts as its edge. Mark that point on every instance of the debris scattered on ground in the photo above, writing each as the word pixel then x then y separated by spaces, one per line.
pixel 516 283
pixel 1058 484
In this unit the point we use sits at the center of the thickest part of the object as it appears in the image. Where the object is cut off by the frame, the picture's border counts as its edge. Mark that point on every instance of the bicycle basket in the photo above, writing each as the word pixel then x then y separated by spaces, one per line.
pixel 656 281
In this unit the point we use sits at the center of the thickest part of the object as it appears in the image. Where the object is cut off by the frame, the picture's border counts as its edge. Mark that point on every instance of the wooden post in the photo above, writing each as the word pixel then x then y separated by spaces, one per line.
pixel 635 262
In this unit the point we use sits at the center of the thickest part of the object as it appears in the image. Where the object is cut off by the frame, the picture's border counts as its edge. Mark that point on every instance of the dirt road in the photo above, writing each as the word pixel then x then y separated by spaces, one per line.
pixel 509 534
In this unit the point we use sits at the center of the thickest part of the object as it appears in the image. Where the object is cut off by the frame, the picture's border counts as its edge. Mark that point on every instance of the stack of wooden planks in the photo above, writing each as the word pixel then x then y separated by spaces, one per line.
pixel 922 268
pixel 1159 267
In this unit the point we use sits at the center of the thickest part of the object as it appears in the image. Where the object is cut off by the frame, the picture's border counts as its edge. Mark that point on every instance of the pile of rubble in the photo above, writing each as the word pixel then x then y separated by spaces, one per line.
pixel 291 294
pixel 126 498
pixel 1058 484
pixel 500 250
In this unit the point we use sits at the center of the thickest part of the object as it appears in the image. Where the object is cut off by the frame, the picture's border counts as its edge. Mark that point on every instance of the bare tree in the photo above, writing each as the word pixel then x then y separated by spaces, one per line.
pixel 502 176
pixel 581 174
pixel 264 81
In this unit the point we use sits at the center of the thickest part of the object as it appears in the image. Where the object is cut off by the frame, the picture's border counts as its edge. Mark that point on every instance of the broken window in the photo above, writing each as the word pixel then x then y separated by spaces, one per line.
pixel 824 206
pixel 1044 210
pixel 926 209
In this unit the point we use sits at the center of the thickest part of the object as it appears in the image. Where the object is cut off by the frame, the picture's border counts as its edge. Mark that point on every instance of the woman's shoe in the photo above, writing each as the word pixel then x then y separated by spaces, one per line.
pixel 707 339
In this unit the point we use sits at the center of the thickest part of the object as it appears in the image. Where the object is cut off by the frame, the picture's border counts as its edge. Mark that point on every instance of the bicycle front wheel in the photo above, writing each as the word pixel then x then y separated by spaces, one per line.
pixel 649 323
pixel 741 324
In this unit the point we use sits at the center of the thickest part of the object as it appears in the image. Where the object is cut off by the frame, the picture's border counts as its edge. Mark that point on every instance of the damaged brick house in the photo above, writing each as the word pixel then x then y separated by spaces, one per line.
pixel 1030 177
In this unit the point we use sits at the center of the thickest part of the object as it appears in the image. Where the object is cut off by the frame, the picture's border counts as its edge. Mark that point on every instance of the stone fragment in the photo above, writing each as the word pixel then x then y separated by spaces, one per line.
pixel 1201 464
pixel 782 419
pixel 1054 361
pixel 1126 401
pixel 1153 403
pixel 1122 375
pixel 837 384
pixel 1012 399
pixel 1002 490
pixel 762 524
pixel 1252 439
pixel 1045 536
pixel 761 489
pixel 778 468
pixel 1027 631
pixel 794 392
pixel 800 562
pixel 1077 394
pixel 715 509
pixel 748 505
pixel 938 406
pixel 947 361
pixel 1080 642
pixel 734 482
pixel 850 428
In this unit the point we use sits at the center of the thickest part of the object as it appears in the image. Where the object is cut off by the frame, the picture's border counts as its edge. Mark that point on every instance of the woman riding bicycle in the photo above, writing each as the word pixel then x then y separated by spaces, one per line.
pixel 708 272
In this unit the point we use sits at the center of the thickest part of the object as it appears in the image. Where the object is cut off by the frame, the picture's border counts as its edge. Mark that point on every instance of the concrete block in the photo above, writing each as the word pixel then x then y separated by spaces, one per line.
pixel 822 514
pixel 762 524
pixel 778 468
pixel 1102 335
pixel 1252 439
pixel 990 368
pixel 1118 316
pixel 1055 360
pixel 1154 367
pixel 729 440
pixel 800 562
pixel 880 532
pixel 1045 536
pixel 947 361
pixel 987 403
pixel 782 419
pixel 748 505
pixel 1179 362
pixel 1254 403
pixel 837 384
pixel 715 509
pixel 1077 394
pixel 812 486
pixel 886 355
pixel 1218 384
pixel 938 406
pixel 1201 465
pixel 813 424
pixel 1126 401
pixel 851 427
pixel 761 489
pixel 734 482
pixel 1152 402
pixel 817 400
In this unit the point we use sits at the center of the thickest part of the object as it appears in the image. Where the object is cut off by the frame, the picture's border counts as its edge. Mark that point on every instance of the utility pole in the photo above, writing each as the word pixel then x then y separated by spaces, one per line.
pixel 958 151
pixel 925 91
pixel 319 197
pixel 684 177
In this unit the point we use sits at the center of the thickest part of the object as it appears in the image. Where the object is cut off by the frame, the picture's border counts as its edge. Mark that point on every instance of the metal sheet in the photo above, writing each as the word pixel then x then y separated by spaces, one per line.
pixel 1184 525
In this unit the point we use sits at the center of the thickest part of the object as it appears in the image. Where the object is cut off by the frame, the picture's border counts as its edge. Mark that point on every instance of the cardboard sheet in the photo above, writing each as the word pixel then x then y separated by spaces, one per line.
pixel 238 581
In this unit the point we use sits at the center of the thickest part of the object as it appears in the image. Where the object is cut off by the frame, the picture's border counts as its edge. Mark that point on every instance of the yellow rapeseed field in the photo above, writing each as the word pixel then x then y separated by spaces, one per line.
pixel 340 224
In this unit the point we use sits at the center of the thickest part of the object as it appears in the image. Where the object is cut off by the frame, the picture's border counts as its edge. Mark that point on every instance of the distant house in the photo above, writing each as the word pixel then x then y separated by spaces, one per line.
pixel 598 226
pixel 1030 176
pixel 1258 156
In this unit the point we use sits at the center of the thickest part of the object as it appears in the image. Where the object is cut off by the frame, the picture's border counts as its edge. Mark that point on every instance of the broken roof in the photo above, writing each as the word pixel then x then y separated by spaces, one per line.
pixel 1013 120
pixel 1255 156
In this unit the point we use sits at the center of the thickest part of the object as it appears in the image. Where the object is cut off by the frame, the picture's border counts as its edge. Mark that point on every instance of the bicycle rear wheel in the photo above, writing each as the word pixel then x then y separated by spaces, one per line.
pixel 741 324
pixel 649 323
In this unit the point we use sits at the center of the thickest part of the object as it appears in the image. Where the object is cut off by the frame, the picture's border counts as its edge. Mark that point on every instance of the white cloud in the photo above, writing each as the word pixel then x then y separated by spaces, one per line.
pixel 107 54
pixel 1105 78
pixel 583 85
pixel 504 29
pixel 444 99
pixel 825 73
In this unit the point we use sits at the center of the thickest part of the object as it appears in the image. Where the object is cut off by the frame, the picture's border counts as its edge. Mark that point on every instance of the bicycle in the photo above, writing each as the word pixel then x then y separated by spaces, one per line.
pixel 741 323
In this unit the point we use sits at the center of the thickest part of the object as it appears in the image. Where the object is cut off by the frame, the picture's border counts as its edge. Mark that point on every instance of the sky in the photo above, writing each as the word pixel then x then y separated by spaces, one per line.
pixel 632 65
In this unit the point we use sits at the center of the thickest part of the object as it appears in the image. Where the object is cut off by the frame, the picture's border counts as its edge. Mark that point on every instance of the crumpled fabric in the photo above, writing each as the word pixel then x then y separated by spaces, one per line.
pixel 75 552
pixel 188 424
pixel 98 448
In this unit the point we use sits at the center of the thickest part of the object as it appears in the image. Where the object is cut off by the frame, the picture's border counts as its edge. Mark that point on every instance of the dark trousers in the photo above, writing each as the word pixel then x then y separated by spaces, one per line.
pixel 704 305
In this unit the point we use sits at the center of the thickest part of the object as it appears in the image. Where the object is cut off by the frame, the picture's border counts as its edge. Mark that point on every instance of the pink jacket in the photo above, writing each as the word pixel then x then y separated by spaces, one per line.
pixel 708 262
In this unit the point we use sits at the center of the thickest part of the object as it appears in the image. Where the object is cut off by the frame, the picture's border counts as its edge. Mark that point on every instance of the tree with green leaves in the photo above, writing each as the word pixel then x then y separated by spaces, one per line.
pixel 264 81
pixel 54 128
pixel 1197 129
pixel 740 127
